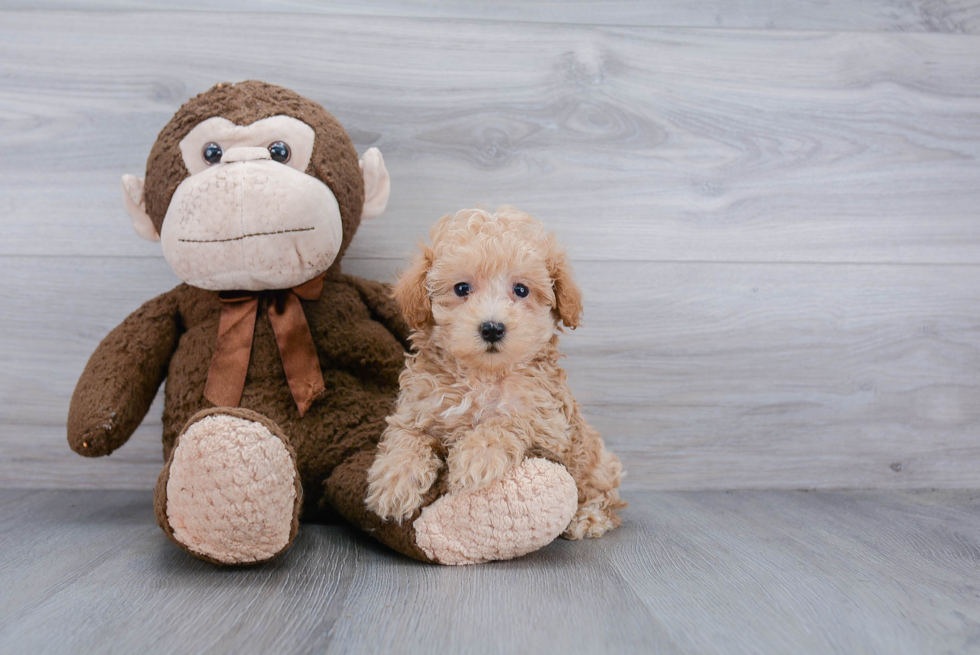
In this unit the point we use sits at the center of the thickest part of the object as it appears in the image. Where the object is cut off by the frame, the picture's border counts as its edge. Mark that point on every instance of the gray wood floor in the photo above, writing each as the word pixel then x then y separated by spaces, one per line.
pixel 689 572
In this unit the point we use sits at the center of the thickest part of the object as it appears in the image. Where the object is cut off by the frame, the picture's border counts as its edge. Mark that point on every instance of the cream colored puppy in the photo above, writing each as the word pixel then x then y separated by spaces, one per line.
pixel 483 387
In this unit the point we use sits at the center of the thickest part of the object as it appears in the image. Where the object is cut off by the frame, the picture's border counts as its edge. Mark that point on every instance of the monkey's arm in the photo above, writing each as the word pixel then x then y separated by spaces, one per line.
pixel 384 309
pixel 122 377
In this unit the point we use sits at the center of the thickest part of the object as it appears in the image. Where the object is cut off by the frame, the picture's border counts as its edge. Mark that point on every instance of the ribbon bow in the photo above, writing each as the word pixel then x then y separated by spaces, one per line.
pixel 229 365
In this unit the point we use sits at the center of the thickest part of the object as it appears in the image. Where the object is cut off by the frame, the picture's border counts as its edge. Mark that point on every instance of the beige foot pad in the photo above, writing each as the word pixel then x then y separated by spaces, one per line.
pixel 232 492
pixel 526 510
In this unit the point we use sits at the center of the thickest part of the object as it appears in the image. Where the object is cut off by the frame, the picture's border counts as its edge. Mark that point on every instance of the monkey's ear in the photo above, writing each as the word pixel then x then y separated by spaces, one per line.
pixel 412 293
pixel 132 188
pixel 377 184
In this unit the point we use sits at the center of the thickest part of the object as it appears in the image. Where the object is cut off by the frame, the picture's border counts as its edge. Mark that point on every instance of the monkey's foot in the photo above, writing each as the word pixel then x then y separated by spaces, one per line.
pixel 522 512
pixel 230 493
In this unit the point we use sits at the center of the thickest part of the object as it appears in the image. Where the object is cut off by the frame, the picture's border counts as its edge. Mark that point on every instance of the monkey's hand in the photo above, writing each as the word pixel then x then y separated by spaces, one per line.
pixel 122 377
pixel 404 469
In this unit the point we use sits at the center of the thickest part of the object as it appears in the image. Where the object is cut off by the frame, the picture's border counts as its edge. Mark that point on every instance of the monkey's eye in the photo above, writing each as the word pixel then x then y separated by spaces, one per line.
pixel 520 290
pixel 279 152
pixel 212 153
pixel 461 289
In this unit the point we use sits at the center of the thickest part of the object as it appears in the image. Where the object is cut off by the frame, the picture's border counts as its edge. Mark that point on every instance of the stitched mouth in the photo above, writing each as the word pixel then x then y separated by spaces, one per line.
pixel 247 236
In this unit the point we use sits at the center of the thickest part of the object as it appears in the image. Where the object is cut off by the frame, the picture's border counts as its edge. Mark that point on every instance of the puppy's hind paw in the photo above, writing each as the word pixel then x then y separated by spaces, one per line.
pixel 591 523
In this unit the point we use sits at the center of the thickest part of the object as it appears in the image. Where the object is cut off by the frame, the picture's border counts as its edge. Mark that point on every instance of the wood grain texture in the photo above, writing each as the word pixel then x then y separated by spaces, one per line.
pixel 637 144
pixel 951 16
pixel 775 572
pixel 776 230
pixel 710 376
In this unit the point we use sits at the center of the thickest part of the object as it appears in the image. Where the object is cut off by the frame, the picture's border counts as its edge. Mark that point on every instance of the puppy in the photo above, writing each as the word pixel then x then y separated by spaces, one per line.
pixel 483 388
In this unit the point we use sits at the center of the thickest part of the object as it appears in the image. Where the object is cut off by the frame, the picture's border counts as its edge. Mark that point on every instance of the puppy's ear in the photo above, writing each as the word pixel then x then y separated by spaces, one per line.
pixel 568 297
pixel 412 293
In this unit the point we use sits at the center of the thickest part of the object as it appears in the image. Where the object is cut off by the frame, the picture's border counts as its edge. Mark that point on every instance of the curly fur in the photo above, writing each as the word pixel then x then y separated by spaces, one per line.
pixel 479 408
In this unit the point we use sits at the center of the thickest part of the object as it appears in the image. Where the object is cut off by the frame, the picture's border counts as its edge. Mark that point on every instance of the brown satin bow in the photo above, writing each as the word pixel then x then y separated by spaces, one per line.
pixel 229 365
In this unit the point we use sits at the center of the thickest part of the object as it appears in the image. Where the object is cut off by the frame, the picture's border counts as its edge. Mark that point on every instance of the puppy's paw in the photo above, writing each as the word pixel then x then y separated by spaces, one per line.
pixel 591 523
pixel 397 484
pixel 475 464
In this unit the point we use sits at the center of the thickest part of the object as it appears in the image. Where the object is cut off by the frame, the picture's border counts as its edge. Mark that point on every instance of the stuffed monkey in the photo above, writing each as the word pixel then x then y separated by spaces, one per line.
pixel 279 368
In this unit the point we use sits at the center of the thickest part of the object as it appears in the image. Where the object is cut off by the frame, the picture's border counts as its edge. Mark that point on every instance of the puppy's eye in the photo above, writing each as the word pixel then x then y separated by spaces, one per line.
pixel 279 152
pixel 461 289
pixel 520 290
pixel 212 153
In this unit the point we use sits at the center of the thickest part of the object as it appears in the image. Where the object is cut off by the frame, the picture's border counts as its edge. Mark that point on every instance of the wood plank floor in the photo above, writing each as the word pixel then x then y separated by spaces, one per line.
pixel 689 572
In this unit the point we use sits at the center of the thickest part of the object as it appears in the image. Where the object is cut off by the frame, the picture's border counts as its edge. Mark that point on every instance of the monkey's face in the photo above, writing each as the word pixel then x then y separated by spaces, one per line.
pixel 248 216
pixel 251 186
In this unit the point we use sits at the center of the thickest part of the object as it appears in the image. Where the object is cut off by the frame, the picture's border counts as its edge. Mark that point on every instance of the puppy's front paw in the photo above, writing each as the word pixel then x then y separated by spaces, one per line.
pixel 397 484
pixel 475 464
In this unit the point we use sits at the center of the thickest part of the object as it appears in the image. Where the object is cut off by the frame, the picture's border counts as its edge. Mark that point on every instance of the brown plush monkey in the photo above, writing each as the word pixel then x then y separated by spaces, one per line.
pixel 280 369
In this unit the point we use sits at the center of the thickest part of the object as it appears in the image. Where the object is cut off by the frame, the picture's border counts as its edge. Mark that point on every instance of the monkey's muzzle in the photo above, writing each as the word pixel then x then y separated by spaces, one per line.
pixel 251 223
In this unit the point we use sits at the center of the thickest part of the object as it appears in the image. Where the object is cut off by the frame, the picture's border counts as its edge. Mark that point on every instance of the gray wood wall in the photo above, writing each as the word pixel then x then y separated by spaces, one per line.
pixel 773 208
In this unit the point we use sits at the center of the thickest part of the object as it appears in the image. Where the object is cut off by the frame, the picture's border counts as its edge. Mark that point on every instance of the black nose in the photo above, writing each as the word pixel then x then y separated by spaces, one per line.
pixel 492 332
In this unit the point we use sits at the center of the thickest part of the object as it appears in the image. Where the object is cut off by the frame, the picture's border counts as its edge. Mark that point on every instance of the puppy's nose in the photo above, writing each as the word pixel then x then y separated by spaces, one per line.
pixel 492 332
